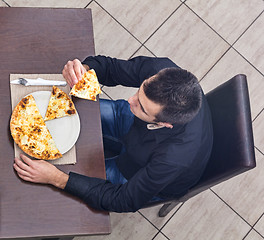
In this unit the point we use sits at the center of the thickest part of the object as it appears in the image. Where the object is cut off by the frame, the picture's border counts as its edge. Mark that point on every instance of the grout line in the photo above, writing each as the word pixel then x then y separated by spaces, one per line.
pixel 258 232
pixel 148 221
pixel 162 24
pixel 149 50
pixel 107 94
pixel 164 235
pixel 142 44
pixel 88 4
pixel 231 207
pixel 172 216
pixel 248 61
pixel 155 236
pixel 206 23
pixel 247 28
pixel 139 49
pixel 231 45
pixel 117 21
pixel 6 3
pixel 253 229
pixel 215 64
pixel 159 232
pixel 135 52
pixel 257 115
pixel 259 151
pixel 247 233
pixel 256 223
pixel 161 217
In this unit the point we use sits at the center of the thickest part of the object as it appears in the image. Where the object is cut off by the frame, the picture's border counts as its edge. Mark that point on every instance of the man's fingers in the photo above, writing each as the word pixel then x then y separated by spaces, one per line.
pixel 22 165
pixel 20 171
pixel 83 70
pixel 78 71
pixel 27 160
pixel 73 71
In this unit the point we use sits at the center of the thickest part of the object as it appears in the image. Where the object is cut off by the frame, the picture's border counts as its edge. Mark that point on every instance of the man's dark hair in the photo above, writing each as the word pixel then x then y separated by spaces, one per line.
pixel 178 92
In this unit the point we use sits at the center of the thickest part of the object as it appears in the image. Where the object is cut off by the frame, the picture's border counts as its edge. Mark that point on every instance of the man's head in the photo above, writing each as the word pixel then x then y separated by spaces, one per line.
pixel 171 96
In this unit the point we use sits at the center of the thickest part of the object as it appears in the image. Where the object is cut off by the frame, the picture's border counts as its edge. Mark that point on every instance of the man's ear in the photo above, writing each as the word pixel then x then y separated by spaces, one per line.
pixel 164 124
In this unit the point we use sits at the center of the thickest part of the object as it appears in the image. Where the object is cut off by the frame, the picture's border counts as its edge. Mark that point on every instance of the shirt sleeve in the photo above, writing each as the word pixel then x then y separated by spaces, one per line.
pixel 129 197
pixel 130 73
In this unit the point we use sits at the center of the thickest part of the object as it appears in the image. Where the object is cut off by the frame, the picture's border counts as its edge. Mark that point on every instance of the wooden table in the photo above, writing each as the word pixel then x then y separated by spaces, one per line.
pixel 34 40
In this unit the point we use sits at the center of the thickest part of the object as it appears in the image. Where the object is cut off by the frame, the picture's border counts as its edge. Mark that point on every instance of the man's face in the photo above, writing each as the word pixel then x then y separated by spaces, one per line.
pixel 142 107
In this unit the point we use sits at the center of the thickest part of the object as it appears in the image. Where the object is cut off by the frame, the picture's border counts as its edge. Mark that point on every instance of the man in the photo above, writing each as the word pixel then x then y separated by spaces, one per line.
pixel 162 136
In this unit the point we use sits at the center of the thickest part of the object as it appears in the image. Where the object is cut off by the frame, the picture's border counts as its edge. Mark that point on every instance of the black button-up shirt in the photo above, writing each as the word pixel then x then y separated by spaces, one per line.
pixel 161 162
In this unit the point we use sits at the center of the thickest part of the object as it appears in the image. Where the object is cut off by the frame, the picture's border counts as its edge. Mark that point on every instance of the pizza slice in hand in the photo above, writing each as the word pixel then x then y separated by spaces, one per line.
pixel 60 105
pixel 88 87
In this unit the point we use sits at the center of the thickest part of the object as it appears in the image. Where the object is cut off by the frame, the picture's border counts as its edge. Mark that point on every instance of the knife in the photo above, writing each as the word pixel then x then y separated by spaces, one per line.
pixel 38 82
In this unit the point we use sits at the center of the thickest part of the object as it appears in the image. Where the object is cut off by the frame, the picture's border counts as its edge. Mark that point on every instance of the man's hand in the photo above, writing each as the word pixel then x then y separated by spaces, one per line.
pixel 40 171
pixel 73 71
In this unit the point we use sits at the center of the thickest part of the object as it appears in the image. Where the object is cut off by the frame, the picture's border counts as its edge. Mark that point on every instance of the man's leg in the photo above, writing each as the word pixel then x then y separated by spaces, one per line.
pixel 116 119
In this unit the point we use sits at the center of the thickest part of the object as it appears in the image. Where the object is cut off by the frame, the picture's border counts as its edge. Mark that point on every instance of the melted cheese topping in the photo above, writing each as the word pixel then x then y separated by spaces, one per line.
pixel 30 132
pixel 60 105
pixel 88 87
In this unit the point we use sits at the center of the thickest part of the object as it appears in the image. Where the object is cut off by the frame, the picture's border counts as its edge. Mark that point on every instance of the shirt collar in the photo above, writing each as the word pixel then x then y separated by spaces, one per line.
pixel 160 133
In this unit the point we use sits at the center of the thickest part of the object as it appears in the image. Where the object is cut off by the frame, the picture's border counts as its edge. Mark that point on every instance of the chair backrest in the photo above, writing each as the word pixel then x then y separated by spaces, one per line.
pixel 233 146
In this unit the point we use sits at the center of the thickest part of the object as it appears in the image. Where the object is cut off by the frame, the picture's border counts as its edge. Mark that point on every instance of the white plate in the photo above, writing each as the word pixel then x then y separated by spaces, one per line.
pixel 64 131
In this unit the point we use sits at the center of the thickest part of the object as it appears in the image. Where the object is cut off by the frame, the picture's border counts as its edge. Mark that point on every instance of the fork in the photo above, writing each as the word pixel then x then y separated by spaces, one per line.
pixel 39 81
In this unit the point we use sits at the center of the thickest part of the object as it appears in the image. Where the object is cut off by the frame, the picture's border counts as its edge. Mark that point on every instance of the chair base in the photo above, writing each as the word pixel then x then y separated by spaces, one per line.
pixel 166 208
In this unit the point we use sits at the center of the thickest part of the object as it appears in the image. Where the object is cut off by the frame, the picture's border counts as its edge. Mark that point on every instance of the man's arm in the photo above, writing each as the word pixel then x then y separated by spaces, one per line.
pixel 129 197
pixel 113 71
pixel 130 73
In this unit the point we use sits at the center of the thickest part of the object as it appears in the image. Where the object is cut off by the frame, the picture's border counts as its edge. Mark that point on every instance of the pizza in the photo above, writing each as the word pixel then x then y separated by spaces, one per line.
pixel 29 131
pixel 60 105
pixel 88 87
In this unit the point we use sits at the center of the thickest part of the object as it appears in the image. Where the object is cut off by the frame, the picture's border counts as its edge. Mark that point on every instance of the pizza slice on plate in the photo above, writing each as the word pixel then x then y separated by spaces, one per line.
pixel 29 131
pixel 88 87
pixel 60 105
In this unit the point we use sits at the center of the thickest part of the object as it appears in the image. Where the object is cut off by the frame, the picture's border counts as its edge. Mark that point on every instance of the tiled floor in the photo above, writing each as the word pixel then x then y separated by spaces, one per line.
pixel 215 40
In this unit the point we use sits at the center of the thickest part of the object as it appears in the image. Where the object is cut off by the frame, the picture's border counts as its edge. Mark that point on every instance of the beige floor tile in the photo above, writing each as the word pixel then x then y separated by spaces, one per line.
pixel 104 95
pixel 188 41
pixel 260 226
pixel 258 128
pixel 151 214
pixel 228 18
pixel 141 18
pixel 110 38
pixel 130 226
pixel 251 44
pixel 49 3
pixel 253 235
pixel 229 66
pixel 160 236
pixel 2 4
pixel 205 216
pixel 120 92
pixel 245 192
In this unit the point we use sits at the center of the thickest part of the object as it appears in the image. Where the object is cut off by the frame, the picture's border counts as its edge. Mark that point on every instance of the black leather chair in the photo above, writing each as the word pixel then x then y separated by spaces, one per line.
pixel 233 147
